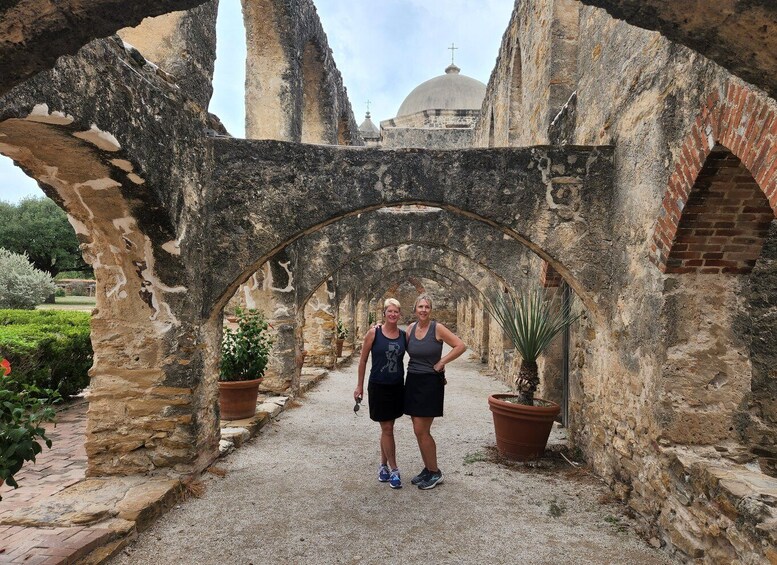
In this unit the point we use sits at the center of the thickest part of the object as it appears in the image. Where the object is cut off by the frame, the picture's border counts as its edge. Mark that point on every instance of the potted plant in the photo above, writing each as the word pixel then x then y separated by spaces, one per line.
pixel 245 352
pixel 522 422
pixel 23 410
pixel 341 333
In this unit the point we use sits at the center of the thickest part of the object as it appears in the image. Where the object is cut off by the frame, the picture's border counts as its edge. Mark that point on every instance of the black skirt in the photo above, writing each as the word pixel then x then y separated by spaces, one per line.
pixel 386 401
pixel 424 394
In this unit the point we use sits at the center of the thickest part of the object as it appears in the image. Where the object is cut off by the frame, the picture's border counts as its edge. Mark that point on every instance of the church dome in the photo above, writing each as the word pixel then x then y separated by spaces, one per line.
pixel 451 91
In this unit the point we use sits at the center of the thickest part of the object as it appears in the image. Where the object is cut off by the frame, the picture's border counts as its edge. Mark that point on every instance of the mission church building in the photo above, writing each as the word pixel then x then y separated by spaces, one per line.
pixel 439 113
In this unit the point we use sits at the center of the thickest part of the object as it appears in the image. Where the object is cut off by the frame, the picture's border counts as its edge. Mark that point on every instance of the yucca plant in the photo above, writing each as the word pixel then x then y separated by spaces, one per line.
pixel 531 321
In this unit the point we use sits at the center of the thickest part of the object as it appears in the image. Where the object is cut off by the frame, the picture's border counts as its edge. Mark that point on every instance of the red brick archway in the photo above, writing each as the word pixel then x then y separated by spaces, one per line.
pixel 746 124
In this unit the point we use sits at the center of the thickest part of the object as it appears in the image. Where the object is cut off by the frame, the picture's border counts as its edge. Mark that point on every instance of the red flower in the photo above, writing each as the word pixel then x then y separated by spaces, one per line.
pixel 6 367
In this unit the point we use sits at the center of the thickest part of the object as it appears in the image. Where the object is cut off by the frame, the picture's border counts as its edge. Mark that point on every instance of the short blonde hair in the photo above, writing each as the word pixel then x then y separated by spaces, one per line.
pixel 391 302
pixel 421 297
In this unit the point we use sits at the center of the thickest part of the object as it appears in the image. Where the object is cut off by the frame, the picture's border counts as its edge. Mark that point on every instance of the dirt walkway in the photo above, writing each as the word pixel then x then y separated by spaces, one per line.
pixel 305 491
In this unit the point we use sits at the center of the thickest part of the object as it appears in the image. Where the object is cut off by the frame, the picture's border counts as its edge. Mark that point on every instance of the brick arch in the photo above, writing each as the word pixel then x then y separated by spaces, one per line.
pixel 740 120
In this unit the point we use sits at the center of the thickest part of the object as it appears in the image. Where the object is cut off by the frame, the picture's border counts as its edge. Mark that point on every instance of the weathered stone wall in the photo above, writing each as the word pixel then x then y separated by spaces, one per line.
pixel 182 44
pixel 294 91
pixel 440 138
pixel 673 363
pixel 534 76
pixel 434 119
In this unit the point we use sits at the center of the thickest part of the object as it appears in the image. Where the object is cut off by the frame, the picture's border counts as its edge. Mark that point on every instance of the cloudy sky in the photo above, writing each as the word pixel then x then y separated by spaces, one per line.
pixel 383 50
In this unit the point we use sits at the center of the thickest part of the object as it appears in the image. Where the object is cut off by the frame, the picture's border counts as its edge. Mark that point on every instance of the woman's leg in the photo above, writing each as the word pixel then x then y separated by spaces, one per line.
pixel 422 428
pixel 387 445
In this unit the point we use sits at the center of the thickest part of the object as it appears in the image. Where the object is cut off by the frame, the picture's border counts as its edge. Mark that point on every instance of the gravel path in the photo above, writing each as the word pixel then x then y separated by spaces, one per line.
pixel 305 491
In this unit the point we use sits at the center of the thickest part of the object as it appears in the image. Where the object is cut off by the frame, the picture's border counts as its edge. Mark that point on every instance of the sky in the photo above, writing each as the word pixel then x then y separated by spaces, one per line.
pixel 383 49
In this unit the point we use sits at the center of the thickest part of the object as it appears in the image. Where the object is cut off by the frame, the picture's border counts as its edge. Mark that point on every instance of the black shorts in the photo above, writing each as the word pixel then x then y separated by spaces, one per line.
pixel 387 401
pixel 424 394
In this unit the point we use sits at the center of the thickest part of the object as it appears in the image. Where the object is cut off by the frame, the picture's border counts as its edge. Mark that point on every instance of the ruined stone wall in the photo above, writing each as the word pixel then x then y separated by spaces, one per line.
pixel 634 396
pixel 434 119
pixel 440 138
pixel 534 76
pixel 293 88
pixel 183 45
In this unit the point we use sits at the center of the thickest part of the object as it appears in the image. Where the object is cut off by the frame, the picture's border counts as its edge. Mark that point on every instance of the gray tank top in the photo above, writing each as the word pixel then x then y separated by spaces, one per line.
pixel 424 353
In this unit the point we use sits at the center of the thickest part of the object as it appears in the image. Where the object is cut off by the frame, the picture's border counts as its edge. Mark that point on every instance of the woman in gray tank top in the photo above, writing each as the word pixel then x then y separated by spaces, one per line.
pixel 425 383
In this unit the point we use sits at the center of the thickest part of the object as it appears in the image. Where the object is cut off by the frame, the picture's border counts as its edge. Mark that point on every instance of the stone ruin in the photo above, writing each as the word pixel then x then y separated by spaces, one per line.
pixel 632 168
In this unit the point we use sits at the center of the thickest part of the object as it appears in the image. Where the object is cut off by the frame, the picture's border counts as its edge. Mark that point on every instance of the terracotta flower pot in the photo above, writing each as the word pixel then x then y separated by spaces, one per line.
pixel 237 399
pixel 521 431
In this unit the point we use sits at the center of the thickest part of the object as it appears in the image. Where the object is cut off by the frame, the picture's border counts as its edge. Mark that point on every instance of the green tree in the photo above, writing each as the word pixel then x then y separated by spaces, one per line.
pixel 39 228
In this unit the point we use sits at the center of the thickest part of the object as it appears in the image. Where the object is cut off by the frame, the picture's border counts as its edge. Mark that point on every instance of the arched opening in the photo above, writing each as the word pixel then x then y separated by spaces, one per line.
pixel 718 387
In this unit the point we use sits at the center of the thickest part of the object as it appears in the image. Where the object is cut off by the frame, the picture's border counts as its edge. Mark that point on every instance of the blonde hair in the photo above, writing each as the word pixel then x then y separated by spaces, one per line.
pixel 391 302
pixel 421 297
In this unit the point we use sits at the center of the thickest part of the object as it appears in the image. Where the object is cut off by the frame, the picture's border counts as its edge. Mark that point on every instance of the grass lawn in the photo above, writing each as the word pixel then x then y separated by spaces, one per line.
pixel 84 303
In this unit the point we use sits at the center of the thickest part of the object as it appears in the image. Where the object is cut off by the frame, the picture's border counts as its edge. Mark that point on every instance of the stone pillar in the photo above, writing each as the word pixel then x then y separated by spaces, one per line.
pixel 273 85
pixel 153 389
pixel 353 338
pixel 319 331
pixel 271 291
pixel 362 307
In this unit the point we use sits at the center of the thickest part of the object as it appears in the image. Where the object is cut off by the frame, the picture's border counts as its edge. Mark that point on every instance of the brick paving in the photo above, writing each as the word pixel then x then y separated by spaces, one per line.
pixel 54 470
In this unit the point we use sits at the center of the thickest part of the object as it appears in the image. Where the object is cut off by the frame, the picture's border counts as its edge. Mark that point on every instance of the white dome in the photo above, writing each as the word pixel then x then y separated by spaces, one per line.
pixel 451 91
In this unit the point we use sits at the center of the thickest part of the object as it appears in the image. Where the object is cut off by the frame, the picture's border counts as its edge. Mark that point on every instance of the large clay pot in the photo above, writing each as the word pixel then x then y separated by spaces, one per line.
pixel 521 431
pixel 237 399
pixel 339 347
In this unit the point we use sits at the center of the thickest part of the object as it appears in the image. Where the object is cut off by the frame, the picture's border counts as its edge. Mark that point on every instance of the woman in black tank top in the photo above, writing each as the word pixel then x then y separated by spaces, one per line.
pixel 386 387
pixel 425 384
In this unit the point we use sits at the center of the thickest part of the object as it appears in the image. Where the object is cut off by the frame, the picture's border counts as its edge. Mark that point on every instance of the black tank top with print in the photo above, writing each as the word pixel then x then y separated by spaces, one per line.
pixel 387 358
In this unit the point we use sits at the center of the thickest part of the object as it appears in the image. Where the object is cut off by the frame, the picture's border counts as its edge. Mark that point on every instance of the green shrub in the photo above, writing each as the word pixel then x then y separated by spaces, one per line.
pixel 47 348
pixel 246 350
pixel 23 410
pixel 22 285
pixel 60 292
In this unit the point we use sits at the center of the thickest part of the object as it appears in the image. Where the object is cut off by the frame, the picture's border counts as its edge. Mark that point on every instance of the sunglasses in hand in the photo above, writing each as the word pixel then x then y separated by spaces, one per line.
pixel 357 405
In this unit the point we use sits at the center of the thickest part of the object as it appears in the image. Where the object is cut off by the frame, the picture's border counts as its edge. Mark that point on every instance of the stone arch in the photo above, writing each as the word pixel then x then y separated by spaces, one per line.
pixel 419 286
pixel 714 243
pixel 480 244
pixel 558 188
pixel 130 205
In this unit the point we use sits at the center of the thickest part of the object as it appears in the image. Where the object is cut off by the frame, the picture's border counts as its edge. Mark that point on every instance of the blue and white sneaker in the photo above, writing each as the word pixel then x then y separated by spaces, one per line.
pixel 384 474
pixel 432 481
pixel 394 480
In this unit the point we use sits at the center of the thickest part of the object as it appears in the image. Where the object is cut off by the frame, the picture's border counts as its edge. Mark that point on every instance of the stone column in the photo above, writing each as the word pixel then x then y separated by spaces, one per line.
pixel 353 338
pixel 319 329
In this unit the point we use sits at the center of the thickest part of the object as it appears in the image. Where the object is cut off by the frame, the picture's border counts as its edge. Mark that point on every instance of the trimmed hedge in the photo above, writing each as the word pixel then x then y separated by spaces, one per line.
pixel 47 348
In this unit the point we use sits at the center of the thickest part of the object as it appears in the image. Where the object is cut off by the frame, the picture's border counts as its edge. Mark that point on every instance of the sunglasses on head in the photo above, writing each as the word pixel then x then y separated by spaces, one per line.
pixel 357 405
